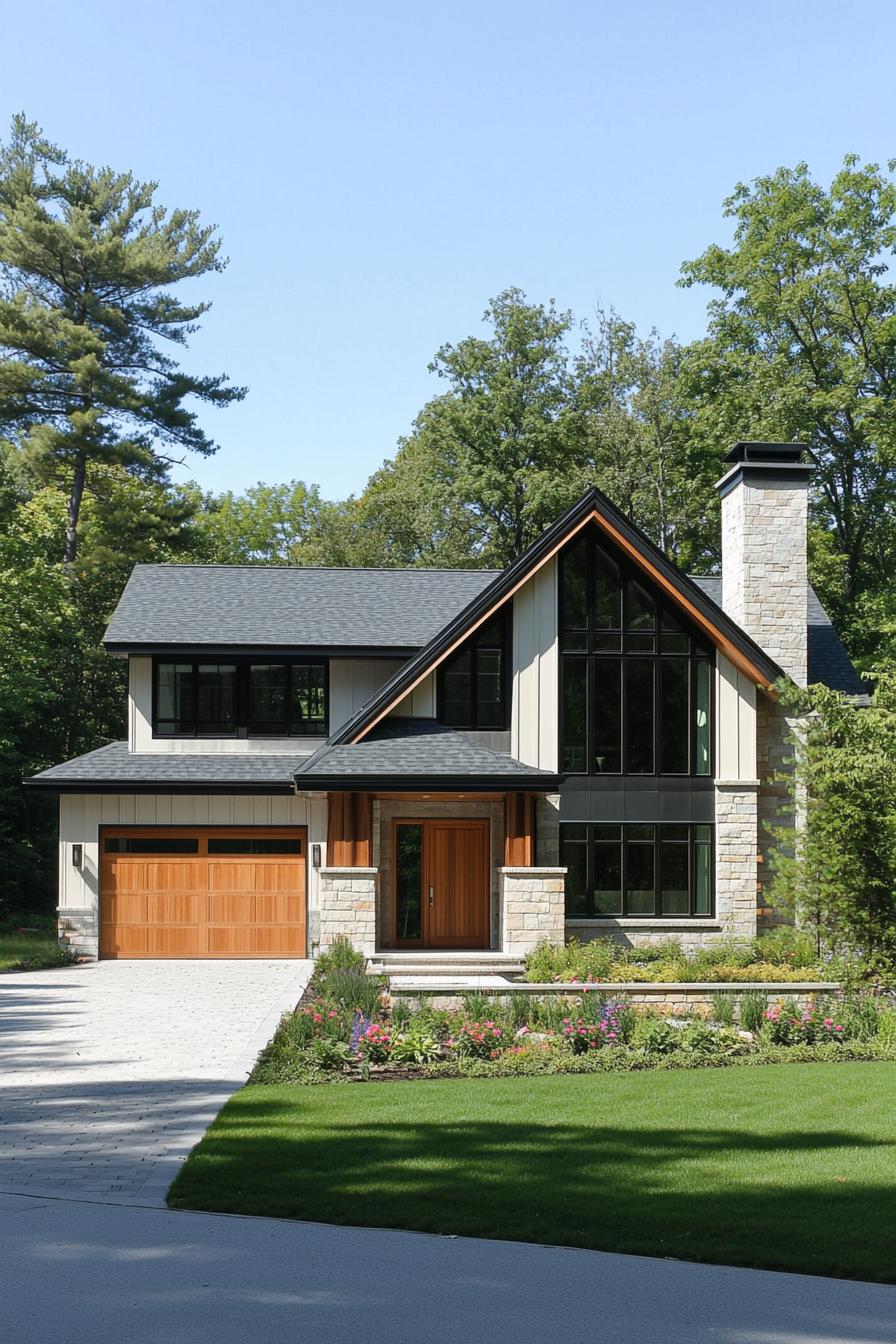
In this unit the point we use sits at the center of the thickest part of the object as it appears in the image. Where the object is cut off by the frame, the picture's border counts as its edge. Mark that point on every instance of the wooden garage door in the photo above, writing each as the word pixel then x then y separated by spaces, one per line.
pixel 223 891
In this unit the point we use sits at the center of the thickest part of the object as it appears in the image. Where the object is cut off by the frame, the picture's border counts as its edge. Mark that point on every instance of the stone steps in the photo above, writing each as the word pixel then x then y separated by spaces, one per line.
pixel 441 966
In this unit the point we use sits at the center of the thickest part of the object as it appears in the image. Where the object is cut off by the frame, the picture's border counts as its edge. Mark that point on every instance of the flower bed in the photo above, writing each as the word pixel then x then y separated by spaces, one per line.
pixel 348 1029
pixel 780 957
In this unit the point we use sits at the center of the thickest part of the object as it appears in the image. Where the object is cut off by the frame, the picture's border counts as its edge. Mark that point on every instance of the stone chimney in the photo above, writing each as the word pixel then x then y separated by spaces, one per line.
pixel 765 509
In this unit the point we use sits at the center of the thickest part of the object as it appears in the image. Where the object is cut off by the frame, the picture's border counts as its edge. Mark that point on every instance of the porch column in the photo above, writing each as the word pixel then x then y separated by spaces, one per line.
pixel 348 908
pixel 533 908
pixel 349 830
pixel 519 830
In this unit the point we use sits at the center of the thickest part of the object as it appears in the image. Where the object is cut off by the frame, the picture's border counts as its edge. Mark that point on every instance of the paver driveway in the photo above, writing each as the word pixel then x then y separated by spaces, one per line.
pixel 110 1072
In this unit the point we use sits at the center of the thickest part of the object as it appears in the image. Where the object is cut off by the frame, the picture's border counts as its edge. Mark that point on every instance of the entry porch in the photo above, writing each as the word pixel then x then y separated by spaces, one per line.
pixel 437 878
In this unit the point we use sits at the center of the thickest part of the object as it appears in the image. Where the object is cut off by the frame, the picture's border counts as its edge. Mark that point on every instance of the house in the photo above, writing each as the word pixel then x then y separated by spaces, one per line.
pixel 584 743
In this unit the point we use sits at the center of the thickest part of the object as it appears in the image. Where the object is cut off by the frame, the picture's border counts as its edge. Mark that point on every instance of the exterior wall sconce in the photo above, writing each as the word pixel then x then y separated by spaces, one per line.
pixel 77 855
pixel 315 856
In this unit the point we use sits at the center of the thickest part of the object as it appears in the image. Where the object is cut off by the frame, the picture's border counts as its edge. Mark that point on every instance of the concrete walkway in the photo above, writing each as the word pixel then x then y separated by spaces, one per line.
pixel 109 1073
pixel 74 1272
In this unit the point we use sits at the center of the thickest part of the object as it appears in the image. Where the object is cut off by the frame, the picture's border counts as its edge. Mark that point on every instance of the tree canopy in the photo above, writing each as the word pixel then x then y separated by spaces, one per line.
pixel 87 264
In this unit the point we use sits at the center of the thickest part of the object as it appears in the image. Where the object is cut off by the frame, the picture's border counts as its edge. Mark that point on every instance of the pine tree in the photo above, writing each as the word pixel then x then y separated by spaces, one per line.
pixel 87 265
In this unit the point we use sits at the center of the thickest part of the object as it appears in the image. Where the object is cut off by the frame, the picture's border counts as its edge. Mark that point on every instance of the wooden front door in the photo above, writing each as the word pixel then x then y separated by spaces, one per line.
pixel 181 891
pixel 441 883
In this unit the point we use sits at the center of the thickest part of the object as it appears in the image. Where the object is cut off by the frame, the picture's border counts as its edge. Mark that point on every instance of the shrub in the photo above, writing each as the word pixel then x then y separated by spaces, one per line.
pixel 886 1028
pixel 476 1005
pixel 330 1054
pixel 859 1014
pixel 482 1040
pixel 654 1036
pixel 786 944
pixel 752 1011
pixel 375 1043
pixel 354 989
pixel 788 1024
pixel 415 1047
pixel 723 1009
pixel 341 957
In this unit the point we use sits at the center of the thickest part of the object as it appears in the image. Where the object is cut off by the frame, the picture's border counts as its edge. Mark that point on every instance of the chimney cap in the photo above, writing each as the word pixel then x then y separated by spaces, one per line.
pixel 773 454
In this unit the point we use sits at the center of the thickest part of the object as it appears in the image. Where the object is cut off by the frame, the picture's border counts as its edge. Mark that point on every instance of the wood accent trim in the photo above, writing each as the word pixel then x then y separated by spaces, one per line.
pixel 519 830
pixel 734 655
pixel 350 830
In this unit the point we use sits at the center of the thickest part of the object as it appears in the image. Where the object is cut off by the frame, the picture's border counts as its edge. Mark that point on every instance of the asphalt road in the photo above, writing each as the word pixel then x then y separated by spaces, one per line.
pixel 76 1272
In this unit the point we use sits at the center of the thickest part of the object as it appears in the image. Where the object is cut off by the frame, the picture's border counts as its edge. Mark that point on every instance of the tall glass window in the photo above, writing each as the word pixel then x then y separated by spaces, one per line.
pixel 472 683
pixel 657 870
pixel 636 677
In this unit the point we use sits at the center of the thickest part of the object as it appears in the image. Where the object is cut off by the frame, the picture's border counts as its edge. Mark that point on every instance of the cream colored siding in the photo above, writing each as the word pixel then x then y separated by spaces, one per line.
pixel 534 717
pixel 735 723
pixel 420 703
pixel 352 683
pixel 81 815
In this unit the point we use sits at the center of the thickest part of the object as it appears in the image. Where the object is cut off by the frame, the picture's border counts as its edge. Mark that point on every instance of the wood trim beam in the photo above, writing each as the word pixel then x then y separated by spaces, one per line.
pixel 519 830
pixel 350 830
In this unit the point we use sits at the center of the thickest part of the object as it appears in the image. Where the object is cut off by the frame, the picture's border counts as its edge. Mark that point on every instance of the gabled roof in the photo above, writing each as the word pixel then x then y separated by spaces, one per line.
pixel 707 614
pixel 113 769
pixel 421 752
pixel 829 663
pixel 283 607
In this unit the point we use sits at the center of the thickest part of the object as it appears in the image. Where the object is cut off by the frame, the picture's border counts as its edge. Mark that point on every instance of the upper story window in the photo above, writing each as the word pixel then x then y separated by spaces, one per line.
pixel 636 680
pixel 472 684
pixel 194 698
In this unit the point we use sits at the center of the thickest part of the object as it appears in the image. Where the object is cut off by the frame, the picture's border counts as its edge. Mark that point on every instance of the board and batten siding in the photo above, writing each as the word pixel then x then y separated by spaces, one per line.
pixel 352 683
pixel 735 723
pixel 82 814
pixel 534 714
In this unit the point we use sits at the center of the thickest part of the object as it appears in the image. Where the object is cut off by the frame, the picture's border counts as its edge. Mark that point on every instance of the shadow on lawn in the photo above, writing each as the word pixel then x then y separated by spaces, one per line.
pixel 701 1194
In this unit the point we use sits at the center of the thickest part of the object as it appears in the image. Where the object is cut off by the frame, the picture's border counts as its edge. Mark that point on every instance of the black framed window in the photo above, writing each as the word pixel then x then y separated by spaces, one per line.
pixel 472 684
pixel 636 679
pixel 243 698
pixel 655 870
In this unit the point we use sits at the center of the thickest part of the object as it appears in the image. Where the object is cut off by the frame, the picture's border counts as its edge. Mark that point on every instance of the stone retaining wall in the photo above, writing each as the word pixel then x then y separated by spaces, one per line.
pixel 77 931
pixel 667 999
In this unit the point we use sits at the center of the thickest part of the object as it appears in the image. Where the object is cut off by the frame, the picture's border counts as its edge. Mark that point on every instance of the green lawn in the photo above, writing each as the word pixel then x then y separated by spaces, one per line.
pixel 30 952
pixel 785 1166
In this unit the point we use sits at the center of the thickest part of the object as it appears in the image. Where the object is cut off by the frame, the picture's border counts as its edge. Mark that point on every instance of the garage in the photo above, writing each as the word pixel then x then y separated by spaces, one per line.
pixel 181 891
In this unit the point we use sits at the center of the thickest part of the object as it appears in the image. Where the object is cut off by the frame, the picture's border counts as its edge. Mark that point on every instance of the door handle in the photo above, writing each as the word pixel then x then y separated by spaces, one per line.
pixel 431 892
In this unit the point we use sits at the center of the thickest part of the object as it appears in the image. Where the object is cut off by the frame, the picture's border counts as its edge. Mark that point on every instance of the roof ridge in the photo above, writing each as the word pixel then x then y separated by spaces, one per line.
pixel 323 569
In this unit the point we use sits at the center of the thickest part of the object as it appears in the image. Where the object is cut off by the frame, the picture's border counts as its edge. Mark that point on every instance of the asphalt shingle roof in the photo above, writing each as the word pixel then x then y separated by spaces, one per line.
pixel 289 607
pixel 115 765
pixel 416 749
pixel 829 663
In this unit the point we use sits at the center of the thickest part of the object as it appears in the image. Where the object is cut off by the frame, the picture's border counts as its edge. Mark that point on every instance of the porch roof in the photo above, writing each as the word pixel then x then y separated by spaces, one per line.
pixel 114 769
pixel 422 753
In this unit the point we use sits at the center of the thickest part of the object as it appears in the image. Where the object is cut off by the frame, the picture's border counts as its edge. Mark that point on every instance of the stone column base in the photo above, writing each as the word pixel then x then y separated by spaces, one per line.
pixel 533 908
pixel 77 931
pixel 348 908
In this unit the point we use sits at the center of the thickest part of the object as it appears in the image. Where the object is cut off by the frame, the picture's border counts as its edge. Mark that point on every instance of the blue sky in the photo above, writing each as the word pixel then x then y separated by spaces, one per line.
pixel 377 171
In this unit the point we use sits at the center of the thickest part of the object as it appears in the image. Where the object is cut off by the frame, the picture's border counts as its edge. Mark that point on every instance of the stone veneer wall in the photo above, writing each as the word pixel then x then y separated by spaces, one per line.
pixel 532 908
pixel 764 565
pixel 736 841
pixel 348 908
pixel 78 932
pixel 385 810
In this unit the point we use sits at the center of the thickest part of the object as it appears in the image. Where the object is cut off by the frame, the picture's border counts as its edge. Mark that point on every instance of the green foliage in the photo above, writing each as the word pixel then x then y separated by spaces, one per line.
pixel 330 1054
pixel 605 960
pixel 801 347
pixel 655 1036
pixel 751 1011
pixel 415 1046
pixel 723 1009
pixel 838 875
pixel 87 260
pixel 354 990
pixel 340 957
